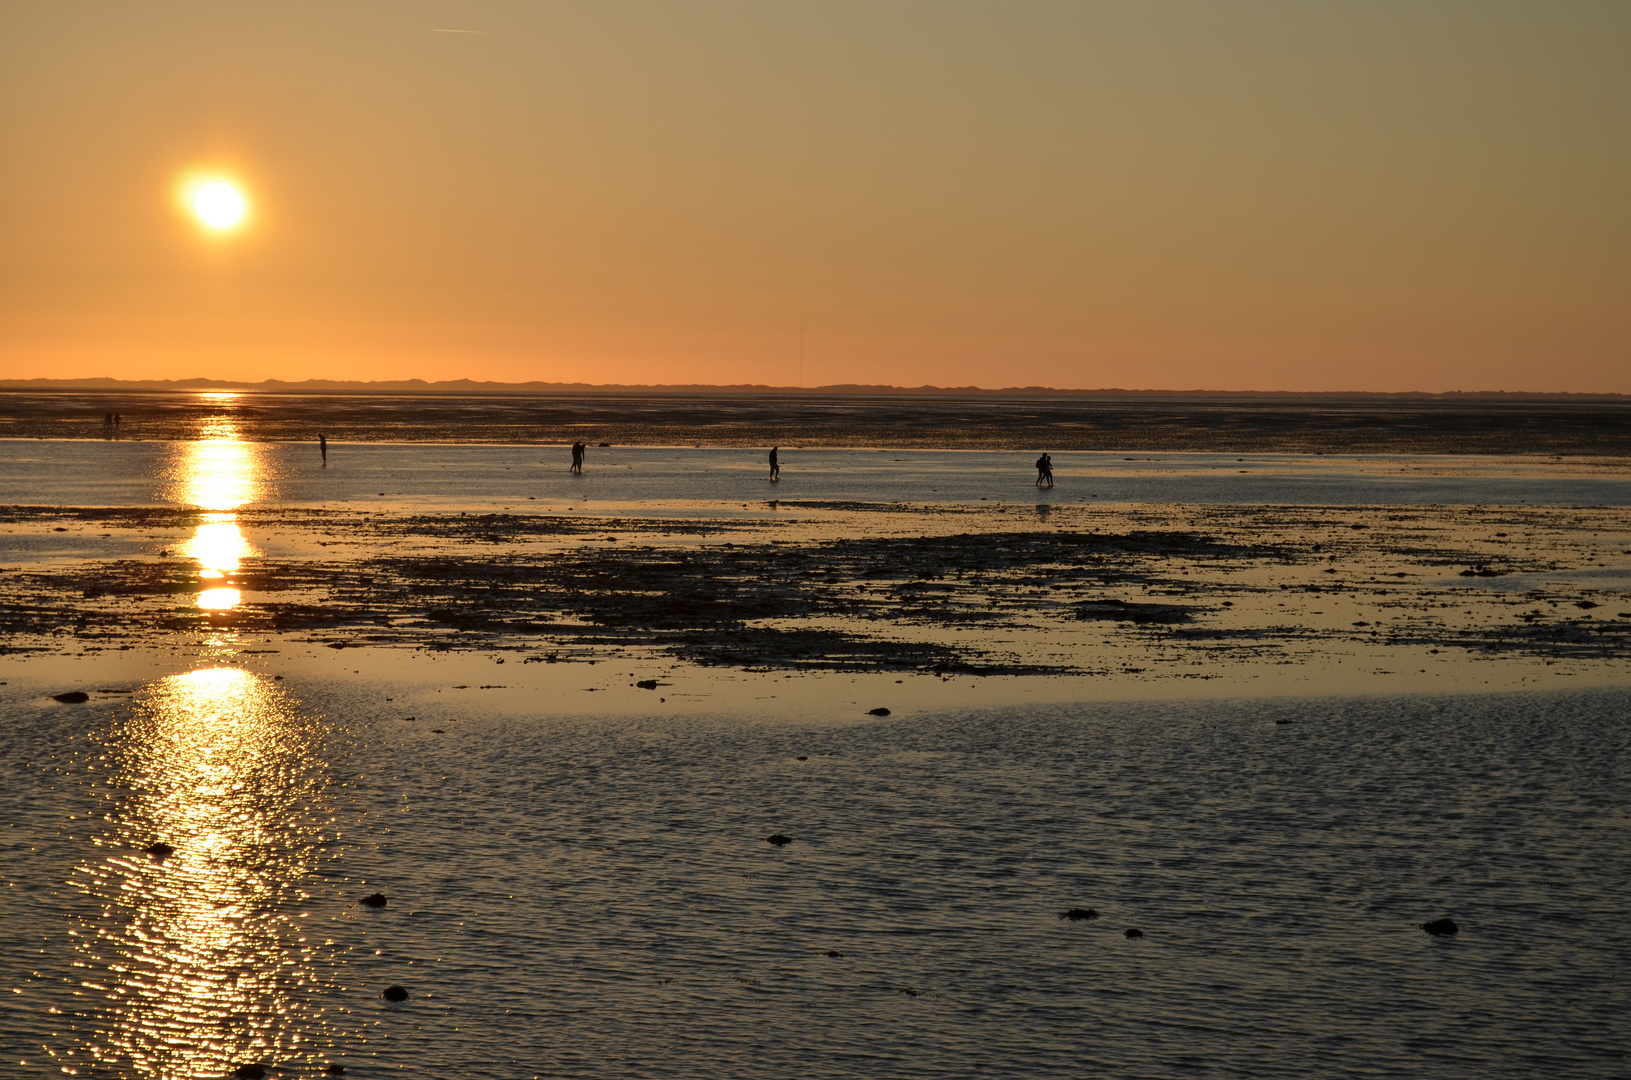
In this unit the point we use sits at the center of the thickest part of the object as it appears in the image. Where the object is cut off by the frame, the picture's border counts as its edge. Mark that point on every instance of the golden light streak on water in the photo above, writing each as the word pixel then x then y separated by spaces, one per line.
pixel 202 953
pixel 218 474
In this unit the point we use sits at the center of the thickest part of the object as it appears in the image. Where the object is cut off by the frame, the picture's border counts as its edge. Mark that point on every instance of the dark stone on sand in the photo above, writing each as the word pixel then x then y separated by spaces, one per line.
pixel 879 711
pixel 804 757
pixel 376 900
pixel 335 1070
pixel 647 684
pixel 1279 723
pixel 835 954
pixel 1481 571
pixel 253 1071
pixel 336 644
pixel 1077 914
pixel 72 697
pixel 394 993
pixel 1441 927
pixel 1132 932
pixel 779 839
pixel 160 850
pixel 1585 604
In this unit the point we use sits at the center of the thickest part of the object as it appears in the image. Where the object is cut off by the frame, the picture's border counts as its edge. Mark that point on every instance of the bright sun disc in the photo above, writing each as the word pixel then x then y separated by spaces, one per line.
pixel 218 204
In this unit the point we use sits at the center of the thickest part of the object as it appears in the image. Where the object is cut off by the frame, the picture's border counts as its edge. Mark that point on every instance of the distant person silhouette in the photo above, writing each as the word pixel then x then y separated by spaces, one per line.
pixel 116 419
pixel 577 457
pixel 1044 471
pixel 322 444
pixel 775 466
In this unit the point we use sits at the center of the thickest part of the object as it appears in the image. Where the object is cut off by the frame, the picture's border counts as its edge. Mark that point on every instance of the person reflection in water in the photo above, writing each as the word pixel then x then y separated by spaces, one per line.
pixel 1044 471
pixel 577 458
pixel 775 466
pixel 322 445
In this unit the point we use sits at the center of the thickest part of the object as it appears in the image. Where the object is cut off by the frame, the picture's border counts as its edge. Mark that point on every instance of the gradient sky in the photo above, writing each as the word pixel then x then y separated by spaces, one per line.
pixel 1302 195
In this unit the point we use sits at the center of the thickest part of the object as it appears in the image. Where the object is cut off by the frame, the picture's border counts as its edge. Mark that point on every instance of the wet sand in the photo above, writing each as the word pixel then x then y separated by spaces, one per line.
pixel 1448 425
pixel 1159 593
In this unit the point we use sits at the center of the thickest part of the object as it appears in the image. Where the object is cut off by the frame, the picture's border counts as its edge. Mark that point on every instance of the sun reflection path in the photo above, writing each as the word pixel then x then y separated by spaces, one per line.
pixel 218 474
pixel 203 954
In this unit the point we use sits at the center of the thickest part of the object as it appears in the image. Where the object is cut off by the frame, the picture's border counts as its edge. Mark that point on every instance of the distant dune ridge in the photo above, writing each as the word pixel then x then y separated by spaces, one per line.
pixel 471 386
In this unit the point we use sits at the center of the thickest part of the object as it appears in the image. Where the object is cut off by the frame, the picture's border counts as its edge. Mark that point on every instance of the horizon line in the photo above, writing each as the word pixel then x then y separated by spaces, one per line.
pixel 839 389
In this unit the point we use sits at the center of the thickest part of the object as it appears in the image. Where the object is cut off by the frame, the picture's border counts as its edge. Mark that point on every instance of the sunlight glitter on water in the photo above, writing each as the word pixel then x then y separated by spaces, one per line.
pixel 218 475
pixel 198 946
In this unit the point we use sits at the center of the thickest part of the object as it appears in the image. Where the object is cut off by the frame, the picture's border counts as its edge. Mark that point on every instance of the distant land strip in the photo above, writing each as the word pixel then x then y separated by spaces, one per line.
pixel 471 386
pixel 1509 424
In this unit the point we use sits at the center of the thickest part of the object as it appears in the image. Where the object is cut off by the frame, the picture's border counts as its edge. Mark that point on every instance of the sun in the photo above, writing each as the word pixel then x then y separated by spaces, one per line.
pixel 219 205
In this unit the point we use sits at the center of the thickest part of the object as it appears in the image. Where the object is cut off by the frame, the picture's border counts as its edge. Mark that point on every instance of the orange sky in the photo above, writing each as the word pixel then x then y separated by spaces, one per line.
pixel 1377 196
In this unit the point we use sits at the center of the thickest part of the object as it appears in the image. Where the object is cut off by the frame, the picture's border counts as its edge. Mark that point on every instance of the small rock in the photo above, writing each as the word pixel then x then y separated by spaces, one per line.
pixel 335 1070
pixel 803 757
pixel 336 644
pixel 879 711
pixel 394 993
pixel 779 839
pixel 72 697
pixel 159 851
pixel 647 684
pixel 1441 927
pixel 376 900
pixel 835 954
pixel 1132 932
pixel 1585 605
pixel 253 1071
pixel 1282 722
pixel 1077 914
pixel 910 993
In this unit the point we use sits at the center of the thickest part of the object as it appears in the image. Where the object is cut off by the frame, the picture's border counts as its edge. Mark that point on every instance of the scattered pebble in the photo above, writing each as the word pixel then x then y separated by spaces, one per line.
pixel 803 757
pixel 879 711
pixel 835 954
pixel 394 993
pixel 1077 914
pixel 647 684
pixel 1441 927
pixel 1132 932
pixel 779 839
pixel 376 900
pixel 72 697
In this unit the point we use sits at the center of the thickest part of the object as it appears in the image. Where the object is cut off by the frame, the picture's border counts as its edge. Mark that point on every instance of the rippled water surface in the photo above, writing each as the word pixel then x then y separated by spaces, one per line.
pixel 596 897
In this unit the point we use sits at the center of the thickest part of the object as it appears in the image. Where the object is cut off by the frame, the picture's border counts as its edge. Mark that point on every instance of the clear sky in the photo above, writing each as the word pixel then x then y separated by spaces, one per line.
pixel 1302 195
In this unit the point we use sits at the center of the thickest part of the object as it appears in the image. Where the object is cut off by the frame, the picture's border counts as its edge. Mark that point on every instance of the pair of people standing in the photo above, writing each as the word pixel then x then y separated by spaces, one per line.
pixel 578 450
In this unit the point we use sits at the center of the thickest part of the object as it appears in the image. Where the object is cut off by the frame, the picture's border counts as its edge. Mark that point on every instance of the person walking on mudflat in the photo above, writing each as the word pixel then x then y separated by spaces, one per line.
pixel 775 467
pixel 1044 471
pixel 577 458
pixel 322 445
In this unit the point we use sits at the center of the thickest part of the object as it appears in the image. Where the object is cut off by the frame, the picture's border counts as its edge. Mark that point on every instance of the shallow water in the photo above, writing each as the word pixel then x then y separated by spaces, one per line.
pixel 91 473
pixel 593 896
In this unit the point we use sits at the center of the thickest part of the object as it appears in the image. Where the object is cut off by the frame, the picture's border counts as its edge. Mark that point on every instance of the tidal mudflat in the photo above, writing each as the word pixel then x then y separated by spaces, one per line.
pixel 815 777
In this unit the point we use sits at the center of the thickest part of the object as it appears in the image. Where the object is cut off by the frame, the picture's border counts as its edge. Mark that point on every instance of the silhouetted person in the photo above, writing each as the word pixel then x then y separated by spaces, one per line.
pixel 775 466
pixel 322 444
pixel 107 421
pixel 1044 471
pixel 577 457
pixel 116 419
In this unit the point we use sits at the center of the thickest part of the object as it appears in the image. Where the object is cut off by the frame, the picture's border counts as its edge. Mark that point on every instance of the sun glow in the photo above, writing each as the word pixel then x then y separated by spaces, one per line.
pixel 218 204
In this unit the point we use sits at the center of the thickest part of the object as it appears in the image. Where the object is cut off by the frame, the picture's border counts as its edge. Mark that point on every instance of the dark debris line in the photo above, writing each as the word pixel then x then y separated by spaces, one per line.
pixel 702 603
